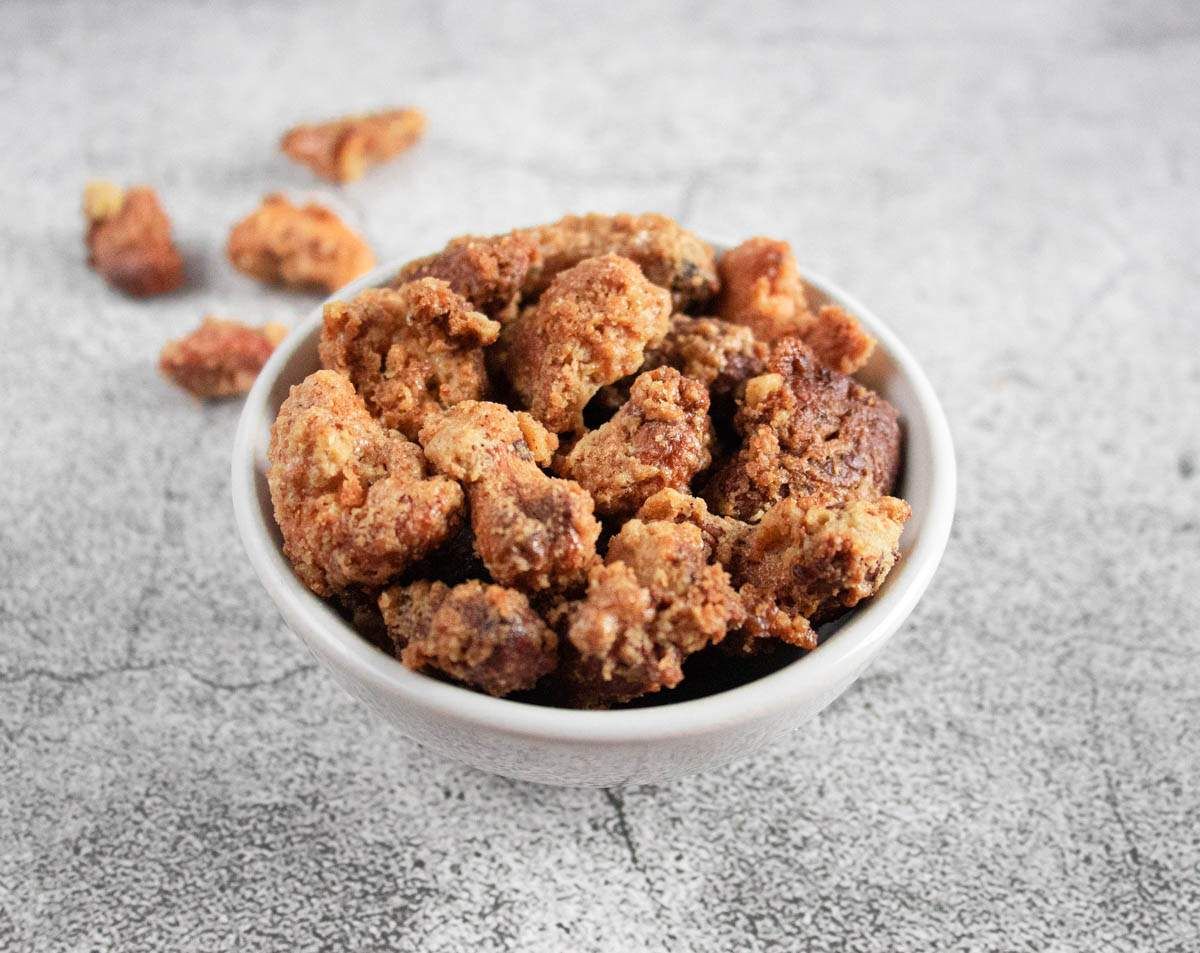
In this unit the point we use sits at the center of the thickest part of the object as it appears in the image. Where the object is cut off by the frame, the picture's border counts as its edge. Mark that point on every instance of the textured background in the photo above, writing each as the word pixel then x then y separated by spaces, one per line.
pixel 1016 192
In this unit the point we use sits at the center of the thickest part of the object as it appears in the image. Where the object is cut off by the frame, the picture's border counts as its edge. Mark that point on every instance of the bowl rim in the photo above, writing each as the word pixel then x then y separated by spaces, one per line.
pixel 848 651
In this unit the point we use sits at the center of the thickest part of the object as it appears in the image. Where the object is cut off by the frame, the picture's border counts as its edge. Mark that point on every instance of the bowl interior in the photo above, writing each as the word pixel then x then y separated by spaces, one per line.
pixel 926 482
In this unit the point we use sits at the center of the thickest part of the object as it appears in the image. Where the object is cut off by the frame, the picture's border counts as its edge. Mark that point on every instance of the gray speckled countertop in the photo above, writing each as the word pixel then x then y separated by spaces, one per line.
pixel 1015 191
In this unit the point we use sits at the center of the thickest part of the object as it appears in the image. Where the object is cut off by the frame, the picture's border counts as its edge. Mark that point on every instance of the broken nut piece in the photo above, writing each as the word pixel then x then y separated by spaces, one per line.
pixel 341 150
pixel 129 239
pixel 220 358
pixel 300 246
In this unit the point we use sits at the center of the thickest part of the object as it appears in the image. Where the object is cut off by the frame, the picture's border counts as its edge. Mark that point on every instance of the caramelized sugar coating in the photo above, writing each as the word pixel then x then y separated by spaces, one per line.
pixel 590 328
pixel 806 562
pixel 660 438
pixel 722 535
pixel 670 256
pixel 220 358
pixel 486 636
pixel 129 239
pixel 532 531
pixel 718 354
pixel 838 340
pixel 341 150
pixel 411 351
pixel 354 501
pixel 810 560
pixel 657 600
pixel 488 272
pixel 299 246
pixel 808 431
pixel 761 288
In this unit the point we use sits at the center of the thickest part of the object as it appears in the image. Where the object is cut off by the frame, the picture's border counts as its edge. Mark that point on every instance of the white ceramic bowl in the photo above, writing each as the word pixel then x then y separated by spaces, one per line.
pixel 602 748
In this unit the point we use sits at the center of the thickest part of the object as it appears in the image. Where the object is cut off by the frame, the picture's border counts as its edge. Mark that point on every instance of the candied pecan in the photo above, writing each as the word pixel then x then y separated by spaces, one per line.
pixel 354 501
pixel 299 246
pixel 129 239
pixel 220 358
pixel 411 351
pixel 808 431
pixel 590 328
pixel 660 438
pixel 810 559
pixel 807 560
pixel 531 530
pixel 761 288
pixel 485 636
pixel 670 256
pixel 340 150
pixel 657 600
pixel 718 354
pixel 722 535
pixel 488 272
pixel 838 340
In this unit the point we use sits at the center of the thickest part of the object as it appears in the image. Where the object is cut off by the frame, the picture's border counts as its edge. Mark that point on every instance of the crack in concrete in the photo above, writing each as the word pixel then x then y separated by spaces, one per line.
pixel 617 801
pixel 79 678
pixel 1111 797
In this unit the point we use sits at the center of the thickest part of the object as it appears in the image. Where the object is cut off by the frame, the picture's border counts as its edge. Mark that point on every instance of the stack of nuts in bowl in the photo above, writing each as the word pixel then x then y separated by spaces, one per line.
pixel 562 462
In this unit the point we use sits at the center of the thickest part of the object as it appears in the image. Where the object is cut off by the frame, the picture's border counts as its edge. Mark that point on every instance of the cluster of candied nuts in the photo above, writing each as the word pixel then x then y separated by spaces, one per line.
pixel 306 247
pixel 507 471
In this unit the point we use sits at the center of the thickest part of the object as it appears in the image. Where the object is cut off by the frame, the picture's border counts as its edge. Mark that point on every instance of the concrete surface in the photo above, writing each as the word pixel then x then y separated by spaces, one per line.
pixel 1013 187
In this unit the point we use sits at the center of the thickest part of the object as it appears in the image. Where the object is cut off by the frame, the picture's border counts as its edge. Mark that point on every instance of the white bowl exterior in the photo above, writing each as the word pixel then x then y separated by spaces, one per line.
pixel 604 748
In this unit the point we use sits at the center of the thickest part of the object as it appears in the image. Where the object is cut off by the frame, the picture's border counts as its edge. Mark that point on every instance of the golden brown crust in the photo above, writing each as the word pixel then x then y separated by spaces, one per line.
pixel 220 358
pixel 838 340
pixel 657 600
pixel 477 439
pixel 723 536
pixel 411 351
pixel 353 500
pixel 489 272
pixel 407 610
pixel 340 150
pixel 670 256
pixel 531 530
pixel 762 289
pixel 483 635
pixel 809 560
pixel 718 354
pixel 129 239
pixel 660 438
pixel 808 431
pixel 590 328
pixel 299 246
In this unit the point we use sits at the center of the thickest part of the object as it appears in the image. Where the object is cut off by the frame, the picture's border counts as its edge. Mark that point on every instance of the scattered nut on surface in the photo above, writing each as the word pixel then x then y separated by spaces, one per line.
pixel 129 239
pixel 220 358
pixel 300 246
pixel 341 150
